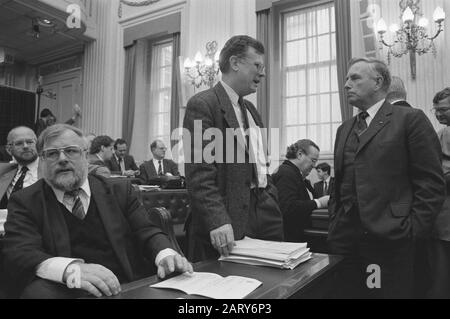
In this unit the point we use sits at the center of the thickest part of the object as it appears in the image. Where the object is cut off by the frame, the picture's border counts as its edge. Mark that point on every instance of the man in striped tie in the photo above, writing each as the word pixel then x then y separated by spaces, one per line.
pixel 70 234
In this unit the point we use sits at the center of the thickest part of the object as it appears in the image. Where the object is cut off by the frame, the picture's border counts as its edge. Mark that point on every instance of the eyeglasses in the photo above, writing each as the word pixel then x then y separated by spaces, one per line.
pixel 22 143
pixel 71 152
pixel 314 160
pixel 259 66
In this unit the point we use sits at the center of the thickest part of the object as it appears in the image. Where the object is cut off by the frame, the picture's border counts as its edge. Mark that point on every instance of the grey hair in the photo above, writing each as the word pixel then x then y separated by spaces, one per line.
pixel 301 145
pixel 378 66
pixel 54 131
pixel 397 89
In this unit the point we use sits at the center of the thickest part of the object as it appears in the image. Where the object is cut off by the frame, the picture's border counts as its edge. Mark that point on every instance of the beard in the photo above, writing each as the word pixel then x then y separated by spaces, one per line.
pixel 66 181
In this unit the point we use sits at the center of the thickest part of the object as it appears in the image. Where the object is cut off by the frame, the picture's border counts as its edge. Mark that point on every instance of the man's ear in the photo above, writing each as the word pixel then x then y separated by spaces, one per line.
pixel 8 149
pixel 234 60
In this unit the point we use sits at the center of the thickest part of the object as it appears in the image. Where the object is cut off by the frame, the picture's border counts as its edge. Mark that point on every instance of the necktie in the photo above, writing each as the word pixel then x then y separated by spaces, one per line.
pixel 121 165
pixel 77 209
pixel 325 188
pixel 244 112
pixel 361 123
pixel 160 172
pixel 19 183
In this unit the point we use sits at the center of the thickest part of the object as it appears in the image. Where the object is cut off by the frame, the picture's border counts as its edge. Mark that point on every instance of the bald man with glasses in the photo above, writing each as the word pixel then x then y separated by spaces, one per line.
pixel 70 235
pixel 23 171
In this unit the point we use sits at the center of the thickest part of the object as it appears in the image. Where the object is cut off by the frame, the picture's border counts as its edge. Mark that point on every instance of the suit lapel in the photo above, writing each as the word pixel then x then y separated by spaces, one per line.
pixel 382 118
pixel 346 130
pixel 6 179
pixel 110 215
pixel 229 113
pixel 151 169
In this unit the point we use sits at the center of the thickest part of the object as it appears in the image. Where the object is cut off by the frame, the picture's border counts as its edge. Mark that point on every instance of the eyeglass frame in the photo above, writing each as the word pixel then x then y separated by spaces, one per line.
pixel 62 149
pixel 435 110
pixel 313 160
pixel 21 143
pixel 259 67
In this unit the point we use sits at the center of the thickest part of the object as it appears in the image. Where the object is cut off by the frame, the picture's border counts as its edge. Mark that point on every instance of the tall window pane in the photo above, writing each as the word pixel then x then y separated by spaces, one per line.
pixel 311 100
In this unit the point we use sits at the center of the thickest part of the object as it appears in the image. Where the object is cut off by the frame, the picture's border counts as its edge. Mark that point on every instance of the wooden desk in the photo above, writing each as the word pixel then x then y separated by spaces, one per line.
pixel 312 279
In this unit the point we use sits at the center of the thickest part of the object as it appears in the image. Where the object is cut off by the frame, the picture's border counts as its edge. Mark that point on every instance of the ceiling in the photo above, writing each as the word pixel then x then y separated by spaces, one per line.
pixel 17 36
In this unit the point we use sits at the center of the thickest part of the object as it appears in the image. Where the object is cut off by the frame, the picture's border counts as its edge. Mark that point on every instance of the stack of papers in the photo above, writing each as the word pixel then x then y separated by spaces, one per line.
pixel 268 253
pixel 148 188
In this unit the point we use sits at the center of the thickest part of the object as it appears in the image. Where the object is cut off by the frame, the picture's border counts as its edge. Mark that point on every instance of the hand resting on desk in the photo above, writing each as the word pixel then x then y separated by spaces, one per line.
pixel 173 263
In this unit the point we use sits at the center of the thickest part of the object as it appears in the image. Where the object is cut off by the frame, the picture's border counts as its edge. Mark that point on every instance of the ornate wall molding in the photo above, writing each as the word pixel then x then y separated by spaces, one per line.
pixel 134 4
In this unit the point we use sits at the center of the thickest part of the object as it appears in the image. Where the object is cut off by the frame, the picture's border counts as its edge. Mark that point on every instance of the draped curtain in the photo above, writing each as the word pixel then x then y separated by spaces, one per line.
pixel 263 34
pixel 343 52
pixel 176 85
pixel 129 95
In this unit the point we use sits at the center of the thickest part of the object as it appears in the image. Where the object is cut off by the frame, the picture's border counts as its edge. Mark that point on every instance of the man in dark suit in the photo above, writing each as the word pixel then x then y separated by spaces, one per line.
pixel 326 183
pixel 389 187
pixel 397 93
pixel 100 152
pixel 24 171
pixel 71 229
pixel 158 165
pixel 296 200
pixel 226 174
pixel 121 163
pixel 440 243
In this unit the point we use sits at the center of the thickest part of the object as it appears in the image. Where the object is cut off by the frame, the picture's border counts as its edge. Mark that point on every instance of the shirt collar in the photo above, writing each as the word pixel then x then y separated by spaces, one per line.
pixel 328 180
pixel 234 97
pixel 32 167
pixel 373 110
pixel 100 158
pixel 60 194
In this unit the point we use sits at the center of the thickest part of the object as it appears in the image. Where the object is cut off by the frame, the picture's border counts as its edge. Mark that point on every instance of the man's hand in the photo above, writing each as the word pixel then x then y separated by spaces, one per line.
pixel 222 239
pixel 128 173
pixel 324 201
pixel 97 280
pixel 173 263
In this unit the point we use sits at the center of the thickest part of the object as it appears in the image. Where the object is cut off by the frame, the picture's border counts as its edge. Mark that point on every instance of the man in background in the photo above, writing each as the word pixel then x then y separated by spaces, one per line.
pixel 296 201
pixel 46 119
pixel 101 150
pixel 397 92
pixel 121 163
pixel 158 165
pixel 24 171
pixel 326 183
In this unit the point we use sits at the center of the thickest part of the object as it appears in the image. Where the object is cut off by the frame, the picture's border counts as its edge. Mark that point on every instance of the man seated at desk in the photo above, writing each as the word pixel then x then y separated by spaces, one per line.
pixel 158 166
pixel 78 230
pixel 23 171
pixel 295 191
pixel 100 152
pixel 121 163
pixel 326 183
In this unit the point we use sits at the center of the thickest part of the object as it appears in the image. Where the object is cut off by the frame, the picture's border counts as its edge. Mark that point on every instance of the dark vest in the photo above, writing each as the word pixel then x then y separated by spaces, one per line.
pixel 347 189
pixel 89 241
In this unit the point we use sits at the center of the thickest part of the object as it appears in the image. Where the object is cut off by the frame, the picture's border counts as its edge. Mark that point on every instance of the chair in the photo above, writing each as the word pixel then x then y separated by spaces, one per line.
pixel 161 217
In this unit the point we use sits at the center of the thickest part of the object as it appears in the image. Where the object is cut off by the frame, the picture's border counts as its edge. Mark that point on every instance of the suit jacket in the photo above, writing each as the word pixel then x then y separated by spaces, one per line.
pixel 398 174
pixel 147 170
pixel 318 188
pixel 7 173
pixel 98 167
pixel 402 103
pixel 295 203
pixel 114 166
pixel 36 230
pixel 219 189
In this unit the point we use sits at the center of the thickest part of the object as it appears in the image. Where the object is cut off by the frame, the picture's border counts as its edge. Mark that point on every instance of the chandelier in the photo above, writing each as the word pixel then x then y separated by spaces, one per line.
pixel 203 71
pixel 412 35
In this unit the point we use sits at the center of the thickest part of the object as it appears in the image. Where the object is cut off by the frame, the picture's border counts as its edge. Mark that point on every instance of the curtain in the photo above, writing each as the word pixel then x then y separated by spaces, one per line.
pixel 176 86
pixel 264 35
pixel 343 52
pixel 129 94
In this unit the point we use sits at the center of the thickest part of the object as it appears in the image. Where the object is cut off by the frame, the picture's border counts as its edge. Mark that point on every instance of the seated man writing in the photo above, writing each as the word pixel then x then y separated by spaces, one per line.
pixel 71 229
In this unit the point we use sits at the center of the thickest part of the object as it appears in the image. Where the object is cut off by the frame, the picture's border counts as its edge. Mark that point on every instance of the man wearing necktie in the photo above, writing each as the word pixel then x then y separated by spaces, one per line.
pixel 325 185
pixel 24 171
pixel 231 194
pixel 70 234
pixel 122 163
pixel 388 189
pixel 158 165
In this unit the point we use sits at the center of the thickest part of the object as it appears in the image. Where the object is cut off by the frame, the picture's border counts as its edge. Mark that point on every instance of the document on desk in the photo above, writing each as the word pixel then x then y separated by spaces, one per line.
pixel 211 285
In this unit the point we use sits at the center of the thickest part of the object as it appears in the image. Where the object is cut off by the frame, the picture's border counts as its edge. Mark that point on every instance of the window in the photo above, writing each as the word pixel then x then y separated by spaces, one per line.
pixel 160 91
pixel 310 97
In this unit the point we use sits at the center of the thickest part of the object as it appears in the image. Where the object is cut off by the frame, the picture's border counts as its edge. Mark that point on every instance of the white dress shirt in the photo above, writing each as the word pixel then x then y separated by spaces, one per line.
pixel 256 147
pixel 373 110
pixel 121 163
pixel 156 164
pixel 31 176
pixel 53 268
